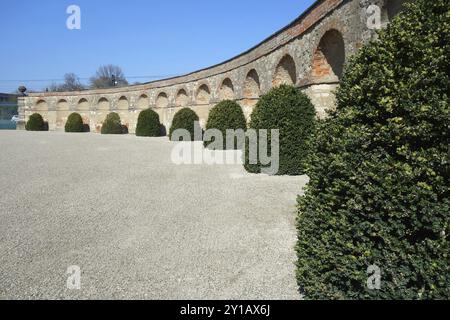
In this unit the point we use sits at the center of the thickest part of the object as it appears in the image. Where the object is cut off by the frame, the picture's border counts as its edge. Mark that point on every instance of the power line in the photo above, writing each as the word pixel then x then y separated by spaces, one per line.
pixel 49 80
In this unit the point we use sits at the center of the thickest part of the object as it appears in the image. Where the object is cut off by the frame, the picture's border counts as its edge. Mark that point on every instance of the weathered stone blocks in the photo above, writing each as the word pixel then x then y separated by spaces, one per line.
pixel 309 53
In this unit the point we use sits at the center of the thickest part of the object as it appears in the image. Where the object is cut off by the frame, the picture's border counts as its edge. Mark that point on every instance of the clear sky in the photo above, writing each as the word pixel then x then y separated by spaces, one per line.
pixel 144 37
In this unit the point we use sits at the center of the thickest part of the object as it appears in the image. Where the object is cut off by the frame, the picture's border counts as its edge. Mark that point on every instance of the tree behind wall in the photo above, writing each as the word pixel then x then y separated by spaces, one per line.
pixel 71 83
pixel 104 77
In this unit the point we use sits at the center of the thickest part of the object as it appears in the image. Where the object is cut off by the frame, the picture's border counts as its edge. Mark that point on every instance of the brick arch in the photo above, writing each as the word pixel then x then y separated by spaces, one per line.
pixel 123 103
pixel 203 95
pixel 252 88
pixel 83 105
pixel 226 90
pixel 285 72
pixel 103 104
pixel 41 105
pixel 162 100
pixel 329 57
pixel 83 109
pixel 182 98
pixel 62 112
pixel 143 102
pixel 62 105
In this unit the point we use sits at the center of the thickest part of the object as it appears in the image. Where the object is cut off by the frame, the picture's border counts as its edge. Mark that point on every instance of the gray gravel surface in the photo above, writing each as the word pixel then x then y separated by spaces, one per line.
pixel 139 226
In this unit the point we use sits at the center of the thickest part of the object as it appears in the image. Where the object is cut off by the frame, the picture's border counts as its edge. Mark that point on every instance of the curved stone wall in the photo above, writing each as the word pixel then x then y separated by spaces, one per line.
pixel 309 53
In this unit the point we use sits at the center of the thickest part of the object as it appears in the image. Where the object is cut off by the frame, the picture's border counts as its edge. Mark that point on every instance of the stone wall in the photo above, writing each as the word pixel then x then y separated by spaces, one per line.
pixel 310 53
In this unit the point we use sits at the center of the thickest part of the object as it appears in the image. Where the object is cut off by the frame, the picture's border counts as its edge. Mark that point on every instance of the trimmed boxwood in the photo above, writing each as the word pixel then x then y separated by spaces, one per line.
pixel 291 112
pixel 379 175
pixel 184 119
pixel 148 124
pixel 74 123
pixel 36 123
pixel 226 115
pixel 112 124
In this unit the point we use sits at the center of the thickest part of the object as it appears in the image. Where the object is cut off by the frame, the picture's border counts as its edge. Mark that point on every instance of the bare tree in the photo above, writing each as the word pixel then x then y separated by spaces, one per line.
pixel 71 83
pixel 54 87
pixel 108 76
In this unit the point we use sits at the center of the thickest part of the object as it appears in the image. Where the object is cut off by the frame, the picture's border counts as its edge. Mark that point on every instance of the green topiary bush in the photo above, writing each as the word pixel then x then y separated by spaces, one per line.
pixel 74 123
pixel 380 172
pixel 226 115
pixel 36 123
pixel 288 109
pixel 184 119
pixel 112 124
pixel 148 124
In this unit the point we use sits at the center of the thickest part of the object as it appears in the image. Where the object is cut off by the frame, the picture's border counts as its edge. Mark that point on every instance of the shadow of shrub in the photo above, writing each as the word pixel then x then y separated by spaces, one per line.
pixel 86 128
pixel 162 130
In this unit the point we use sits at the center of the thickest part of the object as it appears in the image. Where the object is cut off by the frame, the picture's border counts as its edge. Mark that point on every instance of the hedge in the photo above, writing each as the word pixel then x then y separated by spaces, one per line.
pixel 291 112
pixel 148 124
pixel 184 119
pixel 379 176
pixel 36 123
pixel 74 123
pixel 226 115
pixel 112 124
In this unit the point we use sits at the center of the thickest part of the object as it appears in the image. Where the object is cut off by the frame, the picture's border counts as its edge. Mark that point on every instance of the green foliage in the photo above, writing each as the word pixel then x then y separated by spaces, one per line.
pixel 379 190
pixel 36 123
pixel 291 112
pixel 148 124
pixel 112 124
pixel 226 115
pixel 74 123
pixel 184 119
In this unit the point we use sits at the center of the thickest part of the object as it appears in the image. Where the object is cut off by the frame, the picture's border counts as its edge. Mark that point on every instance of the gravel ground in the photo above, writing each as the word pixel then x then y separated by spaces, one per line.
pixel 137 225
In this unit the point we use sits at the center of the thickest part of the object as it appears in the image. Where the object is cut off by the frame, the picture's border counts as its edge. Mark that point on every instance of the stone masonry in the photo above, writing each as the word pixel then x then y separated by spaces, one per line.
pixel 310 53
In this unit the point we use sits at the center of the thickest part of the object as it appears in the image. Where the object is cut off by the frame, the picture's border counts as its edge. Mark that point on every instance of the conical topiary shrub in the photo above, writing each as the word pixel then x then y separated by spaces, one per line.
pixel 184 119
pixel 291 112
pixel 374 222
pixel 112 124
pixel 148 124
pixel 226 115
pixel 36 123
pixel 74 123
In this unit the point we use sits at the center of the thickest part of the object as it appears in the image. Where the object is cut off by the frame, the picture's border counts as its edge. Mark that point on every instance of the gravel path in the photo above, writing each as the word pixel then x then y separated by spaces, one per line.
pixel 138 226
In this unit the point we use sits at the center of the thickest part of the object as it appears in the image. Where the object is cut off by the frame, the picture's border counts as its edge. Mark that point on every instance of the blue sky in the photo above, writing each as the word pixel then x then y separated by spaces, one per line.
pixel 145 38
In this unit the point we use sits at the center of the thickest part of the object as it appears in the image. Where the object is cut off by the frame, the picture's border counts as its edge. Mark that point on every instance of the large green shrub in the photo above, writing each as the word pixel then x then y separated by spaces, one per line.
pixel 74 123
pixel 380 175
pixel 36 123
pixel 184 119
pixel 148 124
pixel 291 112
pixel 112 124
pixel 226 115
